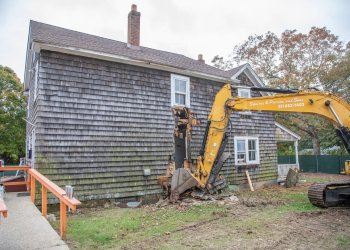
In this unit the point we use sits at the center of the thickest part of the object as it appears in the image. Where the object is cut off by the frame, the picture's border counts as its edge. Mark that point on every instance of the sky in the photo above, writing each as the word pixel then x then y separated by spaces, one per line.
pixel 188 27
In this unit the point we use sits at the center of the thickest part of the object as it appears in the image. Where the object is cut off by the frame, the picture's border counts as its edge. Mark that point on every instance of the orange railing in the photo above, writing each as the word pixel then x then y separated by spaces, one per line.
pixel 65 201
pixel 33 177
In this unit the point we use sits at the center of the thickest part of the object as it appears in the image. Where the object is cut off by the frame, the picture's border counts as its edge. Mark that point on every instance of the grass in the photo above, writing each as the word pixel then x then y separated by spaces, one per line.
pixel 297 202
pixel 343 241
pixel 118 227
pixel 319 179
pixel 115 227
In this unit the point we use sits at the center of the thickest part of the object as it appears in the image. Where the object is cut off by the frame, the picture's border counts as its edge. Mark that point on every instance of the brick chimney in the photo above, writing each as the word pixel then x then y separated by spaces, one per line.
pixel 134 28
pixel 200 58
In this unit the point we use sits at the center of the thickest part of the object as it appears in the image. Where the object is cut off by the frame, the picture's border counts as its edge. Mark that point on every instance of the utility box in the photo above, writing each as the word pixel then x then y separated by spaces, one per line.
pixel 146 172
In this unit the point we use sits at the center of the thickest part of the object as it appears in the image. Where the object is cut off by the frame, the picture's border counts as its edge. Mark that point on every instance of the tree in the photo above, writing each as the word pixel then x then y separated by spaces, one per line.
pixel 337 80
pixel 294 60
pixel 12 114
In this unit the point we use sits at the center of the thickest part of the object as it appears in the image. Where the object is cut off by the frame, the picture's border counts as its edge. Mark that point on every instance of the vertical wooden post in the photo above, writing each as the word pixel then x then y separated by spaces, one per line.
pixel 44 201
pixel 32 188
pixel 29 179
pixel 63 220
pixel 249 180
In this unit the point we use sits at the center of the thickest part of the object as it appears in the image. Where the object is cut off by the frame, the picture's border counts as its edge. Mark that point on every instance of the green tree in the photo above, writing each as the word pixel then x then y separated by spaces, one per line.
pixel 293 60
pixel 12 114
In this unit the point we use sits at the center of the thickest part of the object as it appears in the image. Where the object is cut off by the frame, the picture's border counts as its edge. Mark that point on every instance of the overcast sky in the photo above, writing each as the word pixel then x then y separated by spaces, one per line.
pixel 180 26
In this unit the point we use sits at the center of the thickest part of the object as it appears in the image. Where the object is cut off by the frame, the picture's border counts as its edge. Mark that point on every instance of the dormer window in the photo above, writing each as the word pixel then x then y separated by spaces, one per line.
pixel 243 92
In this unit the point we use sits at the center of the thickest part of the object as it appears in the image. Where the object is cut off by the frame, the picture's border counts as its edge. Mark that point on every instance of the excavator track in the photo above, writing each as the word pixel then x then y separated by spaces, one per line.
pixel 334 194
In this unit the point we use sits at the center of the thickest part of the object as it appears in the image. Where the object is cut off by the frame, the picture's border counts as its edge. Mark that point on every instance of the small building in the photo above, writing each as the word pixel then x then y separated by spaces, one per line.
pixel 284 134
pixel 99 112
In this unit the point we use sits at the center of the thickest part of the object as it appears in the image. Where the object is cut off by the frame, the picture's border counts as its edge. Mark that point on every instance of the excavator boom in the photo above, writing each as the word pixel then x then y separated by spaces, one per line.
pixel 319 103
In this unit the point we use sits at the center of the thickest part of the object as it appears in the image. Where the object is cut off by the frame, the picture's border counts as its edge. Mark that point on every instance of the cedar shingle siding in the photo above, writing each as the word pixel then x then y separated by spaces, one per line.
pixel 100 123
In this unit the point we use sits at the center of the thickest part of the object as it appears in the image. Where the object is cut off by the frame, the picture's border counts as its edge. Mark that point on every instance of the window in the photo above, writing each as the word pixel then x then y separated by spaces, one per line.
pixel 244 92
pixel 246 150
pixel 180 90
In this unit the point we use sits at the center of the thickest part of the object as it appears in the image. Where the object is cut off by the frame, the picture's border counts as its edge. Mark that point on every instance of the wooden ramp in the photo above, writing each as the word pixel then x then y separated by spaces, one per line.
pixel 26 228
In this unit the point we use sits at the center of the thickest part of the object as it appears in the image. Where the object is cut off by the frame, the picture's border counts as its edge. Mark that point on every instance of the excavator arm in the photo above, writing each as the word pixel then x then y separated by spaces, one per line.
pixel 319 103
pixel 212 156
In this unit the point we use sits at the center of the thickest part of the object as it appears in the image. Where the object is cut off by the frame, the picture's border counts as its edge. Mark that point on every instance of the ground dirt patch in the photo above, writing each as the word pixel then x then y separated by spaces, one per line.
pixel 271 218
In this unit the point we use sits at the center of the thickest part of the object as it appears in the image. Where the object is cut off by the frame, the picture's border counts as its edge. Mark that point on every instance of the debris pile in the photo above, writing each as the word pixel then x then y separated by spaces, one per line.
pixel 193 199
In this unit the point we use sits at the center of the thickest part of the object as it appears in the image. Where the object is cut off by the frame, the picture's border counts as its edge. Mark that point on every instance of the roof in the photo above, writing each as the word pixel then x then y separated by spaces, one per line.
pixel 49 37
pixel 234 71
pixel 49 34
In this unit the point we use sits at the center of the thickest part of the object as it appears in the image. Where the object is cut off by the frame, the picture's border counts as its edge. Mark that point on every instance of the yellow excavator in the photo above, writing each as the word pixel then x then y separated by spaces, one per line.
pixel 211 157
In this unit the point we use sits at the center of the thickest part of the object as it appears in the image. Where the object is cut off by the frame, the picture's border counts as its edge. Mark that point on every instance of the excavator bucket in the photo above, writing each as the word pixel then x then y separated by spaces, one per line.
pixel 181 181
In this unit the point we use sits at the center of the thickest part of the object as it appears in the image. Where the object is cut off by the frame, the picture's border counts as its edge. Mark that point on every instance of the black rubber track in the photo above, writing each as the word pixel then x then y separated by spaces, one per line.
pixel 316 193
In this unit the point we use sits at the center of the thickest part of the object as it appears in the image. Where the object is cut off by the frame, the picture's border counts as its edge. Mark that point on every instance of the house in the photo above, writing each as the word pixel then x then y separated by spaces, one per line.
pixel 99 112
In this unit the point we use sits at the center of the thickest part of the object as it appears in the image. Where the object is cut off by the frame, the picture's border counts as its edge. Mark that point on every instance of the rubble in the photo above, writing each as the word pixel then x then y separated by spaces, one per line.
pixel 195 199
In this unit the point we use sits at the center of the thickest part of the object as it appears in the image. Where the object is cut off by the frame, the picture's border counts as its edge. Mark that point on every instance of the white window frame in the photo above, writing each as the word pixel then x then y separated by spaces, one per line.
pixel 247 138
pixel 239 94
pixel 173 92
pixel 241 90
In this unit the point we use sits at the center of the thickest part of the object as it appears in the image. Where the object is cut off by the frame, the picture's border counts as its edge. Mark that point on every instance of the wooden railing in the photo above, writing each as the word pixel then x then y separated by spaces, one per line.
pixel 65 201
pixel 47 185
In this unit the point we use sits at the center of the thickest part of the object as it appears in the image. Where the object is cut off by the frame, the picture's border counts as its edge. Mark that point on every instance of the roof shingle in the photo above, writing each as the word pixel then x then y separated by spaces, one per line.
pixel 53 35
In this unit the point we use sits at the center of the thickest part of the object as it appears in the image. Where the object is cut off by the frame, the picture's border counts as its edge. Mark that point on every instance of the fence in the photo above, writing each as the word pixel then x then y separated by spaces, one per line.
pixel 330 164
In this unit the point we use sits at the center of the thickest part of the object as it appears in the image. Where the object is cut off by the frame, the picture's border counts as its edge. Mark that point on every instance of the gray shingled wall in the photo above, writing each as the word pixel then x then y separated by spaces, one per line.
pixel 99 124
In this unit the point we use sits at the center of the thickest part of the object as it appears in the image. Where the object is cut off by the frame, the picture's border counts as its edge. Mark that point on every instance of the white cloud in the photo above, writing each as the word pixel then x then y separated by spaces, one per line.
pixel 185 27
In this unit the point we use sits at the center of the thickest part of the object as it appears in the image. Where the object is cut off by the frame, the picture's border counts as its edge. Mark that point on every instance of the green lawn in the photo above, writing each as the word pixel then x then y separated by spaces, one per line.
pixel 117 227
